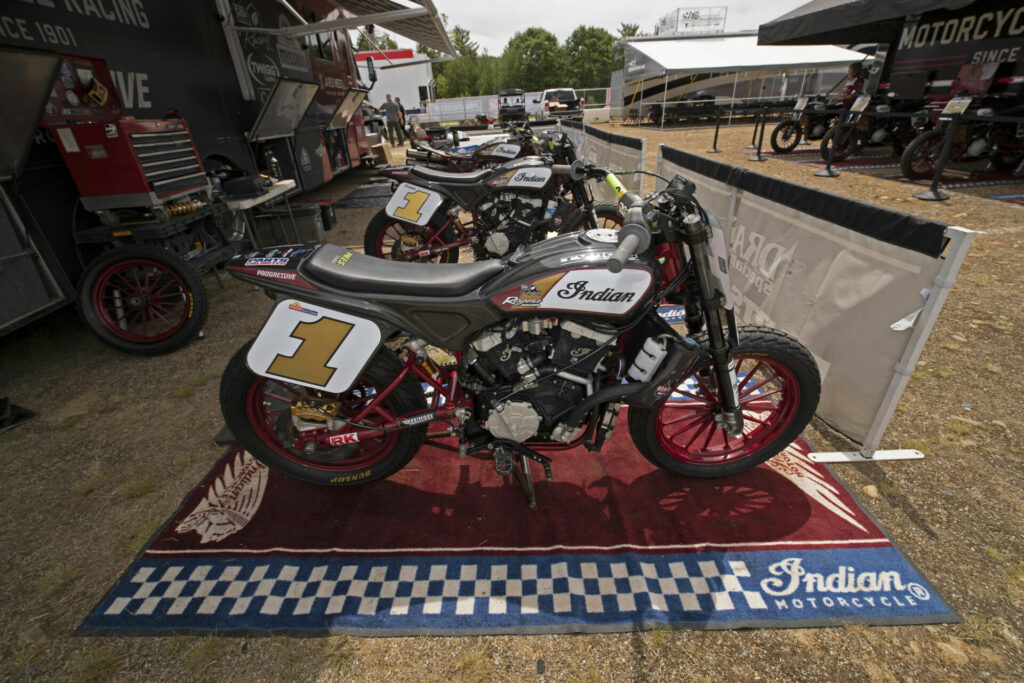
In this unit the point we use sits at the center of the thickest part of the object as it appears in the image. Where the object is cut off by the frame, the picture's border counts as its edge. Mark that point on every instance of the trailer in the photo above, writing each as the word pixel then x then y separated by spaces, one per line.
pixel 150 112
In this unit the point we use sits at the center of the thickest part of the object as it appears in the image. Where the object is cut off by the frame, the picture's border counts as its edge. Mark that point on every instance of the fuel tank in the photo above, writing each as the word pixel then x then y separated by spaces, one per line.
pixel 568 276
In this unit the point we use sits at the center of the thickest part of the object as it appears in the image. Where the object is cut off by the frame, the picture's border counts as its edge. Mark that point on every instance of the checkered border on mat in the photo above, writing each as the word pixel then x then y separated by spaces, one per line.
pixel 489 594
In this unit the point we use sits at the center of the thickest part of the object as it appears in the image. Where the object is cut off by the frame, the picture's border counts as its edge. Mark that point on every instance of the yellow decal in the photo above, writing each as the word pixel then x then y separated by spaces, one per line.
pixel 351 477
pixel 414 201
pixel 309 362
pixel 342 260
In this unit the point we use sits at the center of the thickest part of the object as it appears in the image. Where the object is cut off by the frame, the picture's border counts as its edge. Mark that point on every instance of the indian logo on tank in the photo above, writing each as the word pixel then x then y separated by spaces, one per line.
pixel 593 290
pixel 506 151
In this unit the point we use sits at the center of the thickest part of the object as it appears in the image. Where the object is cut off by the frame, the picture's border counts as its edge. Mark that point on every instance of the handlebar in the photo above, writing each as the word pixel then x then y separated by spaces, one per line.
pixel 634 237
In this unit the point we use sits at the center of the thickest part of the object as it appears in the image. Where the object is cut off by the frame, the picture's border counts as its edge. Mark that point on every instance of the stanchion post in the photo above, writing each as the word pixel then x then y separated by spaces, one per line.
pixel 757 120
pixel 718 122
pixel 933 193
pixel 760 138
pixel 828 171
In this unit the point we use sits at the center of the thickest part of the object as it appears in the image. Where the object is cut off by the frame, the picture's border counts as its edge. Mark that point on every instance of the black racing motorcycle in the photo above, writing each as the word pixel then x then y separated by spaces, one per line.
pixel 810 120
pixel 519 141
pixel 432 214
pixel 532 353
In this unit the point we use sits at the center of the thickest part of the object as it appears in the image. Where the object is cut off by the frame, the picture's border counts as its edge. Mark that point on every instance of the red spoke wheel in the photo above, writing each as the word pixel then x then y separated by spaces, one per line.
pixel 607 215
pixel 258 412
pixel 786 137
pixel 921 157
pixel 396 240
pixel 779 386
pixel 143 300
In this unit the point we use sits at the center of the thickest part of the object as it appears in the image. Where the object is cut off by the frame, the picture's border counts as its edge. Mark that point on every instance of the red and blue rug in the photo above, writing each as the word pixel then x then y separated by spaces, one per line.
pixel 447 546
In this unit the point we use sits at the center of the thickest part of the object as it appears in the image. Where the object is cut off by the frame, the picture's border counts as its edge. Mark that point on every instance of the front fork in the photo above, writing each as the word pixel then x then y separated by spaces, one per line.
pixel 720 323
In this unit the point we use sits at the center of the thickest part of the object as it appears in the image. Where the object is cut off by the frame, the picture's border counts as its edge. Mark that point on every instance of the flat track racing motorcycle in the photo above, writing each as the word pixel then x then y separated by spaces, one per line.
pixel 432 214
pixel 535 352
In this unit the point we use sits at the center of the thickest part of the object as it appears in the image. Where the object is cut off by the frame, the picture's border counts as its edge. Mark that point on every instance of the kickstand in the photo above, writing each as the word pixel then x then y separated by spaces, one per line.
pixel 525 479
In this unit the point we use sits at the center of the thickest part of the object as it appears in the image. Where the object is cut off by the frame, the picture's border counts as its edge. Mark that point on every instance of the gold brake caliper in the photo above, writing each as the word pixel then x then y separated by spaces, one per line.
pixel 314 409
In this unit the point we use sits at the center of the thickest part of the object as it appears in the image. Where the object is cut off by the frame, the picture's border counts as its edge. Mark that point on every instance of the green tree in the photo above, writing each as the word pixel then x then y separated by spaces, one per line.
pixel 626 31
pixel 533 60
pixel 591 57
pixel 384 42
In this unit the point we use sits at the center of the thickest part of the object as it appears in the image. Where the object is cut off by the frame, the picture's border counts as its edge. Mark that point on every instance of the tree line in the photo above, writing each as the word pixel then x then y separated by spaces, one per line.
pixel 532 60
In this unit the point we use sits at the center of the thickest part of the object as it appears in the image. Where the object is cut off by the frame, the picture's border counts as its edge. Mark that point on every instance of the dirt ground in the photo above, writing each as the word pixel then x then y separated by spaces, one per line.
pixel 122 439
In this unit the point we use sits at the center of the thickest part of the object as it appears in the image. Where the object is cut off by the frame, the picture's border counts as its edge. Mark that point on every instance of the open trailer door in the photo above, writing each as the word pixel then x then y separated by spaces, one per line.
pixel 31 279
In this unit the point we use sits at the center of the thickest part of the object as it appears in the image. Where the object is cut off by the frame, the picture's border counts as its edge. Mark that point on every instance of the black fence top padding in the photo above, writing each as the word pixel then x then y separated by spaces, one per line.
pixel 893 227
pixel 568 123
pixel 613 138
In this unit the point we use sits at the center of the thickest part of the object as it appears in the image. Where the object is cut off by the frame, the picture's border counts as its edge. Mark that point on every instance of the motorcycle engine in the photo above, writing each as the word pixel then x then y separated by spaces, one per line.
pixel 531 373
pixel 509 220
pixel 978 147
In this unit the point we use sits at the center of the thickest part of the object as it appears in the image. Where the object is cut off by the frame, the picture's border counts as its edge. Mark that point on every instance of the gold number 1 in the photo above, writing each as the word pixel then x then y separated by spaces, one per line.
pixel 309 362
pixel 414 201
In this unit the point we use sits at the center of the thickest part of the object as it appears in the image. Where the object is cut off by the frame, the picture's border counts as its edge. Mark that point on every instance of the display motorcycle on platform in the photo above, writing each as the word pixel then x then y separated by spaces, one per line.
pixel 518 203
pixel 361 357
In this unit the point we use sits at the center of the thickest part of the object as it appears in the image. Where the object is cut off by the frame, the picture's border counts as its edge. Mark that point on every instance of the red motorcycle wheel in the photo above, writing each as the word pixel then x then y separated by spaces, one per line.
pixel 258 412
pixel 779 386
pixel 395 240
pixel 921 157
pixel 142 299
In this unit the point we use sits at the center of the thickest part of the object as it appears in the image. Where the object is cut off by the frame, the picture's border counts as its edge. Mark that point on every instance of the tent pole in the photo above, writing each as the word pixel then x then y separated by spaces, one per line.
pixel 664 101
pixel 732 105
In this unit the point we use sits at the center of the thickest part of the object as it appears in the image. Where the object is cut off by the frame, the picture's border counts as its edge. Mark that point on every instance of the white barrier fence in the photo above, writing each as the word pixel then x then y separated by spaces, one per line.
pixel 859 285
pixel 607 150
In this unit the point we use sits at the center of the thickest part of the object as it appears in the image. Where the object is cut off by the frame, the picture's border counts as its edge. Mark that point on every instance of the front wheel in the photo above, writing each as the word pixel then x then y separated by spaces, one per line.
pixel 390 238
pixel 921 157
pixel 258 411
pixel 786 137
pixel 842 139
pixel 779 386
pixel 142 299
pixel 608 218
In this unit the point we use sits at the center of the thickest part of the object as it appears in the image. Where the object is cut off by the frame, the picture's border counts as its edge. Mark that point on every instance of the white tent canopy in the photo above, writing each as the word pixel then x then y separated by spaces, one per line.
pixel 658 57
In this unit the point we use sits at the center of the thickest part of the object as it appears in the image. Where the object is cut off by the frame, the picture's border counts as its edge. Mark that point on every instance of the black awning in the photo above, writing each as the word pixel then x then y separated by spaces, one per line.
pixel 844 22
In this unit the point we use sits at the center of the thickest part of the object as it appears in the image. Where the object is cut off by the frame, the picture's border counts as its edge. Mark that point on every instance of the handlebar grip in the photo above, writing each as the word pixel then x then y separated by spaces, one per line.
pixel 561 169
pixel 627 247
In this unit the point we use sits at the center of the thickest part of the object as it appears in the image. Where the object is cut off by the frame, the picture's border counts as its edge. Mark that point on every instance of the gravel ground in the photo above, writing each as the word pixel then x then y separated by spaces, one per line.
pixel 122 439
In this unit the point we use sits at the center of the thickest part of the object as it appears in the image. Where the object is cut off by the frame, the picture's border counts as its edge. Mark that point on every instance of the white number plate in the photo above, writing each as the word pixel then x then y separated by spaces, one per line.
pixel 413 204
pixel 313 346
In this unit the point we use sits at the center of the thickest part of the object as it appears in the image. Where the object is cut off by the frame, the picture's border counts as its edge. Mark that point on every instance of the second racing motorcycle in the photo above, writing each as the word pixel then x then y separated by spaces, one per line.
pixel 432 214
pixel 362 361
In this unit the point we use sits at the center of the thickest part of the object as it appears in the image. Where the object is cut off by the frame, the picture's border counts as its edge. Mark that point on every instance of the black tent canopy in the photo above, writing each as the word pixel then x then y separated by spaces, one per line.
pixel 842 22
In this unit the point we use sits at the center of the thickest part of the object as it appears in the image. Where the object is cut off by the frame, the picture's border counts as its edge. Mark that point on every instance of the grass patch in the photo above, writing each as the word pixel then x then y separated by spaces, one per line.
pixel 57 580
pixel 189 388
pixel 961 427
pixel 991 367
pixel 139 534
pixel 474 665
pixel 12 436
pixel 950 346
pixel 207 650
pixel 94 478
pixel 979 279
pixel 68 423
pixel 338 652
pixel 137 489
pixel 97 665
pixel 889 489
pixel 978 629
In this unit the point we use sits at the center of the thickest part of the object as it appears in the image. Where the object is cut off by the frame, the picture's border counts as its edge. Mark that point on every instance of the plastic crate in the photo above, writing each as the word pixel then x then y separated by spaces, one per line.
pixel 274 226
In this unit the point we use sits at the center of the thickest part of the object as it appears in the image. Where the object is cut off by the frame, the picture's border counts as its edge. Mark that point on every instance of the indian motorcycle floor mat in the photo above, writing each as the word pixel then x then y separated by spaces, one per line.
pixel 447 546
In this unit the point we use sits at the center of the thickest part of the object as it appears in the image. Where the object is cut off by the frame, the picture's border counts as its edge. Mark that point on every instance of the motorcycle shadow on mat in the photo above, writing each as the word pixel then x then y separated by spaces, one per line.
pixel 438 503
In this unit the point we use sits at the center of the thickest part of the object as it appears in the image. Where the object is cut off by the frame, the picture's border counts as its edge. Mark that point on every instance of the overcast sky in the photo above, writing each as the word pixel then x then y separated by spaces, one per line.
pixel 491 23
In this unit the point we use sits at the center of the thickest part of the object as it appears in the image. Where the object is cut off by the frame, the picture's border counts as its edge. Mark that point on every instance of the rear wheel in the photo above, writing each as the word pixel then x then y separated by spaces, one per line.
pixel 786 137
pixel 779 386
pixel 258 412
pixel 921 157
pixel 142 299
pixel 396 240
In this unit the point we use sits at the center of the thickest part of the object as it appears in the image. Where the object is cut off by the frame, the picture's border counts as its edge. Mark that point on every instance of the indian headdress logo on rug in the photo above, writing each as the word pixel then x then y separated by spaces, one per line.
pixel 230 502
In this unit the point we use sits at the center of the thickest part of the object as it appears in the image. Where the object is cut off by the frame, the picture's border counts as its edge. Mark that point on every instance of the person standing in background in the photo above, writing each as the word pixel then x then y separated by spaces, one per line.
pixel 405 121
pixel 394 121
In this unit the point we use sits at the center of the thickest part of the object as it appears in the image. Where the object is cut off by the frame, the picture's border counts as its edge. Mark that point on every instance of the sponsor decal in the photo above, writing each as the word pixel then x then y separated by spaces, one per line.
pixel 530 296
pixel 296 306
pixel 263 72
pixel 343 259
pixel 343 439
pixel 578 290
pixel 590 256
pixel 762 262
pixel 351 477
pixel 418 419
pixel 275 274
pixel 267 262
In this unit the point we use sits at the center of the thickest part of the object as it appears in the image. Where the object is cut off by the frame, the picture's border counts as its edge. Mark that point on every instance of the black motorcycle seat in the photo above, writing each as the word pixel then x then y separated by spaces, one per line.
pixel 446 177
pixel 346 269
